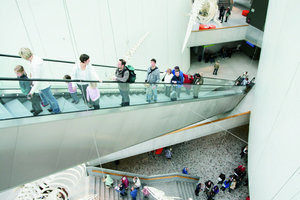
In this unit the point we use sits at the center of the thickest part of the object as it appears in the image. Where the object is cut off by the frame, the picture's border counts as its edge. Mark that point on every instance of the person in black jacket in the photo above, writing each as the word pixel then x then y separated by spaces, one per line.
pixel 177 82
pixel 222 13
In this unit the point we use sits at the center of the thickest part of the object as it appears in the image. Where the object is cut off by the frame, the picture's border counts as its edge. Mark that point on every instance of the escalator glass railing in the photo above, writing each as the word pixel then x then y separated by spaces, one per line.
pixel 92 95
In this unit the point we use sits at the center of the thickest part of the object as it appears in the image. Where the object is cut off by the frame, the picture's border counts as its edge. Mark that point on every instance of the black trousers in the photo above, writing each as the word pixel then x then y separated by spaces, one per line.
pixel 36 102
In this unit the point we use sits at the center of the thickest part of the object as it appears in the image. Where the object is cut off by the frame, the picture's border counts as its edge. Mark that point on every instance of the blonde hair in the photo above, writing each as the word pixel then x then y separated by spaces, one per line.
pixel 169 70
pixel 93 85
pixel 25 53
pixel 20 69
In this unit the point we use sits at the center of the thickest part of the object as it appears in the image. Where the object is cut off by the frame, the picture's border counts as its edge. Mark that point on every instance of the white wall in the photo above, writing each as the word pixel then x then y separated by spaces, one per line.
pixel 274 143
pixel 62 29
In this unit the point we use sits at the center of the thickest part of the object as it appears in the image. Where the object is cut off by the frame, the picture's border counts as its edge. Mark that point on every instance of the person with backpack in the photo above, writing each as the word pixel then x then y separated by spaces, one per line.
pixel 228 12
pixel 197 82
pixel 153 77
pixel 122 77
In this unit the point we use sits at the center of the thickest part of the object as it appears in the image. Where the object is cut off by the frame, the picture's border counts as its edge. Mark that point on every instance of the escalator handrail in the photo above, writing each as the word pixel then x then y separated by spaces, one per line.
pixel 89 81
pixel 96 65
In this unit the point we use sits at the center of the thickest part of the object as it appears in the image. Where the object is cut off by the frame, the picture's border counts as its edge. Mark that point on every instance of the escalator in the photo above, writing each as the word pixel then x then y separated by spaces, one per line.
pixel 32 147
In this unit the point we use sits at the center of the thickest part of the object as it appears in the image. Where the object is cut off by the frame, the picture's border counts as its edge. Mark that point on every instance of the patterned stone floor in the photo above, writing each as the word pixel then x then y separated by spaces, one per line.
pixel 206 157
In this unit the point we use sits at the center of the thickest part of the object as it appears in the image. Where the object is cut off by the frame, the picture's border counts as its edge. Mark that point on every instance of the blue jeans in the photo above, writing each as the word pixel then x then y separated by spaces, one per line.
pixel 48 98
pixel 151 92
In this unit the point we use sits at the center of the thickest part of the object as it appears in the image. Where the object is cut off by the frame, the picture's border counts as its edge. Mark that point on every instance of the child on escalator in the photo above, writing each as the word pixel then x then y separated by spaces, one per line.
pixel 25 88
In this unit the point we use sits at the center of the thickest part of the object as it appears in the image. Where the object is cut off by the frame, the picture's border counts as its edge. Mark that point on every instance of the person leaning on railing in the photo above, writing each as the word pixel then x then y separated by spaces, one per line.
pixel 37 70
pixel 153 77
pixel 122 76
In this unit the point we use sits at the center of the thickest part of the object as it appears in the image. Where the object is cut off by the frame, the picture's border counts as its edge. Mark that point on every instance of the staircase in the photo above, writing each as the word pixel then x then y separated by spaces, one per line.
pixel 178 186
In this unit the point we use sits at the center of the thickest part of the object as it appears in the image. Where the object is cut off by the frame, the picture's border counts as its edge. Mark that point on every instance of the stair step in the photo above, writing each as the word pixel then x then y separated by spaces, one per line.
pixel 28 106
pixel 17 109
pixel 66 106
pixel 4 114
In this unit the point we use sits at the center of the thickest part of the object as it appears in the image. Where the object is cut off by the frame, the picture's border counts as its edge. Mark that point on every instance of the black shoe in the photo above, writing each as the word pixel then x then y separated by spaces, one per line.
pixel 32 110
pixel 37 112
pixel 50 110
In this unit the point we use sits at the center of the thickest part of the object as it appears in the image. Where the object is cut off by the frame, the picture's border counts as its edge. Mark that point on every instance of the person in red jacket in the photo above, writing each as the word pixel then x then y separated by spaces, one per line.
pixel 188 81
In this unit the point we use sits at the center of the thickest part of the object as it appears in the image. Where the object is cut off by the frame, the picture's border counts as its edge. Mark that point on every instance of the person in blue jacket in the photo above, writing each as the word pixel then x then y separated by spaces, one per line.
pixel 133 193
pixel 225 185
pixel 176 68
pixel 177 83
pixel 185 170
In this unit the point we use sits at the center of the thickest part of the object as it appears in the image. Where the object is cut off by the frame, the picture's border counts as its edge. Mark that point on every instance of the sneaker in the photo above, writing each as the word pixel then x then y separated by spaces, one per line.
pixel 43 104
pixel 37 112
pixel 32 111
pixel 50 110
pixel 73 101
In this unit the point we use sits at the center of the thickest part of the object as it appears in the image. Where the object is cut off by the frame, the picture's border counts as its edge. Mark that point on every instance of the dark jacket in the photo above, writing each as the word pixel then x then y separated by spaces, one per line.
pixel 122 78
pixel 25 85
pixel 179 80
pixel 198 79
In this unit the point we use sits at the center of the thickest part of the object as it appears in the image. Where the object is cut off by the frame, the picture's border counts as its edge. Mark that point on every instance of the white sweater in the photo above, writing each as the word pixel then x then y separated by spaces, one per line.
pixel 38 70
pixel 168 78
pixel 88 74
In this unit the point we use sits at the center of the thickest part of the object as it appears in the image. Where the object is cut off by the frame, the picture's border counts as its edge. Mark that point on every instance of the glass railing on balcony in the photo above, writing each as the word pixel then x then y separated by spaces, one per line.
pixel 108 94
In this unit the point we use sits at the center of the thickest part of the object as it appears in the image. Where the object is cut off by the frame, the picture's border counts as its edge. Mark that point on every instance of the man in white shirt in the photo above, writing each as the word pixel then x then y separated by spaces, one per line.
pixel 37 71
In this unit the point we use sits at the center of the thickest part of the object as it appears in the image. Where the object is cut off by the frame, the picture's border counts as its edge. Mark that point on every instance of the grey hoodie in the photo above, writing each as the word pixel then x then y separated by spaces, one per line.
pixel 154 76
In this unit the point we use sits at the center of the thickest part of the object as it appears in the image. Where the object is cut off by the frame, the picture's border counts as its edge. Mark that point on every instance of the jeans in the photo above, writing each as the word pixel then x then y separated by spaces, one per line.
pixel 95 104
pixel 175 93
pixel 48 98
pixel 74 97
pixel 82 88
pixel 167 91
pixel 36 102
pixel 151 93
pixel 125 97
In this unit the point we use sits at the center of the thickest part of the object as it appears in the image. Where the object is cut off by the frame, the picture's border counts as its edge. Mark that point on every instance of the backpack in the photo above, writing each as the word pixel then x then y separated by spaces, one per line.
pixel 132 75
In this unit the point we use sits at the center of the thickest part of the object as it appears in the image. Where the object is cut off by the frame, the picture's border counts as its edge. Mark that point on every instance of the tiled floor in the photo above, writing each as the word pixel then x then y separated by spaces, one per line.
pixel 230 68
pixel 206 157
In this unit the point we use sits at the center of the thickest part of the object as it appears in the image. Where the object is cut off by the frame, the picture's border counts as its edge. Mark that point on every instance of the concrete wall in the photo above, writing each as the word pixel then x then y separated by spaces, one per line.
pixel 274 143
pixel 106 30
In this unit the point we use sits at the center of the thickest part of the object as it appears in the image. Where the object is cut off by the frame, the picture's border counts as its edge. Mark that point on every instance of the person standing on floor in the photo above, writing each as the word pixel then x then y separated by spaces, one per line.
pixel 244 151
pixel 122 76
pixel 222 12
pixel 153 77
pixel 228 12
pixel 26 87
pixel 216 68
pixel 85 72
pixel 167 79
pixel 37 70
pixel 199 187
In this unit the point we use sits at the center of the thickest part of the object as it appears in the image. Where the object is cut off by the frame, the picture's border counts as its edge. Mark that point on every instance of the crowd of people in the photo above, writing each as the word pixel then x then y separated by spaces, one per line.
pixel 40 94
pixel 122 186
pixel 233 181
